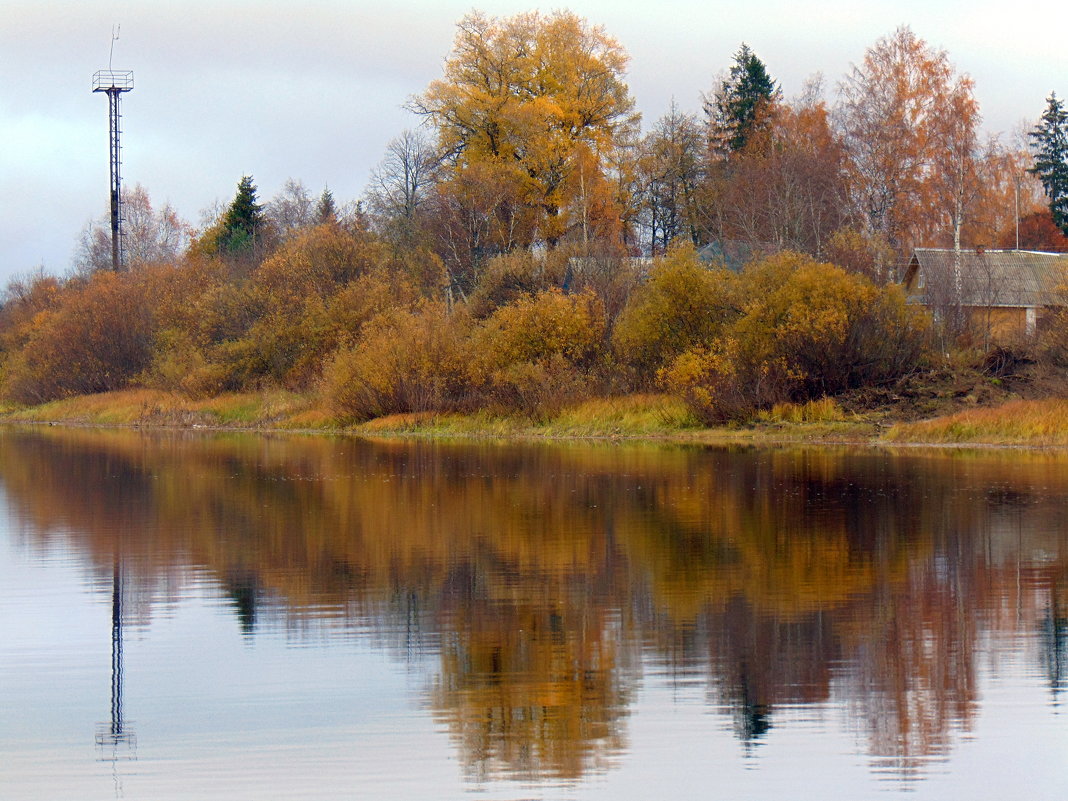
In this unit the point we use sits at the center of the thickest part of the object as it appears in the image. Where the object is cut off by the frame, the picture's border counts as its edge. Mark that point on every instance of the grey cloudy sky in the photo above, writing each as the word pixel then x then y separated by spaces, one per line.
pixel 315 90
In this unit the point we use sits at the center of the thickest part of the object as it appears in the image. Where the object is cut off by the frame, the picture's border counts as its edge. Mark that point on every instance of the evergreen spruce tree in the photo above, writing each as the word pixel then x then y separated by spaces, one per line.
pixel 326 208
pixel 243 221
pixel 1049 142
pixel 736 110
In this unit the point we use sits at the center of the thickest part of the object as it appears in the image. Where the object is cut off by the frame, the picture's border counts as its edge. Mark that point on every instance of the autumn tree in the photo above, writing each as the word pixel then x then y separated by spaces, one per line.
pixel 957 174
pixel 1008 197
pixel 473 216
pixel 1036 231
pixel 784 189
pixel 523 99
pixel 737 109
pixel 901 109
pixel 1049 141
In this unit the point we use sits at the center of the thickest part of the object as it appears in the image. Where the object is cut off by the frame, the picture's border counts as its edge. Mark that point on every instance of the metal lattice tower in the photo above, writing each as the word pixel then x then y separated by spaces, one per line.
pixel 114 83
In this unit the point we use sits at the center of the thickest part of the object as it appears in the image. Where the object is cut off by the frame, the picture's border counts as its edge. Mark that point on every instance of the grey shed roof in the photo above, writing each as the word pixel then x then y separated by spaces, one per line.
pixel 989 278
pixel 734 254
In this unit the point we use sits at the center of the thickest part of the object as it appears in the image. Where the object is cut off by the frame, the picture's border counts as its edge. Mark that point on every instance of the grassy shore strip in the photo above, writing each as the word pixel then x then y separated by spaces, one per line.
pixel 1038 423
pixel 1034 423
pixel 154 408
pixel 631 417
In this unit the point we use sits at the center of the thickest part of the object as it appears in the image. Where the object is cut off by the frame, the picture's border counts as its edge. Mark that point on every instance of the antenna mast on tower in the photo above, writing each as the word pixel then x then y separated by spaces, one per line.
pixel 114 83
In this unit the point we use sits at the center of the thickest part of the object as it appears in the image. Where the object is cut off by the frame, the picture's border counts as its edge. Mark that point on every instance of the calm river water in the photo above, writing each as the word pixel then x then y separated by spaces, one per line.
pixel 252 617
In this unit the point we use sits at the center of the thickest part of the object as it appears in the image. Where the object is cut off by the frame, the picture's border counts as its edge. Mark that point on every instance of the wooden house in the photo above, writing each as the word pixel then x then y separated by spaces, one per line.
pixel 1003 294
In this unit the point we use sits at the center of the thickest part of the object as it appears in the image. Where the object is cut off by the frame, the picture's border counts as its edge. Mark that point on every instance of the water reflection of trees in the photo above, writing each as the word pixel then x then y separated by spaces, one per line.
pixel 542 577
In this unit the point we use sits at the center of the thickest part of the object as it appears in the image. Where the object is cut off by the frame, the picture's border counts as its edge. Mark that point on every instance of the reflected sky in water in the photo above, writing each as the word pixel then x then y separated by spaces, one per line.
pixel 236 616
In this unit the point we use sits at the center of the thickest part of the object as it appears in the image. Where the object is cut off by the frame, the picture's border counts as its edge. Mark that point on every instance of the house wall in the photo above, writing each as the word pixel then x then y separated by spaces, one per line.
pixel 999 324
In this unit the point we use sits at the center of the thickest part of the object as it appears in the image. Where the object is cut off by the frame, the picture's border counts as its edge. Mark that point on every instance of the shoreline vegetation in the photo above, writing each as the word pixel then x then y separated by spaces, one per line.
pixel 1039 423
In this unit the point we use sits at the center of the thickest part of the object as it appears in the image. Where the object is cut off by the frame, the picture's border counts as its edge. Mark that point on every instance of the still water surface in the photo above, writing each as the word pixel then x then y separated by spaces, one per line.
pixel 249 617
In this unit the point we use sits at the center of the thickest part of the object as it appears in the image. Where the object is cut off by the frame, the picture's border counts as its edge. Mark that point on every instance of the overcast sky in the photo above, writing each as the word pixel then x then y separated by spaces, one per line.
pixel 314 90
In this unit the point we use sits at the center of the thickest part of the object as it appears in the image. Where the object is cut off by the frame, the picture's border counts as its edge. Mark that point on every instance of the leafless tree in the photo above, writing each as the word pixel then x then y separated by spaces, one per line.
pixel 400 184
pixel 669 169
pixel 150 236
pixel 291 209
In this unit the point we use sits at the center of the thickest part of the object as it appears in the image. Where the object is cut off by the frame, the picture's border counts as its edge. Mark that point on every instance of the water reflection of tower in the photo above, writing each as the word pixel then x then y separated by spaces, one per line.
pixel 1053 638
pixel 115 739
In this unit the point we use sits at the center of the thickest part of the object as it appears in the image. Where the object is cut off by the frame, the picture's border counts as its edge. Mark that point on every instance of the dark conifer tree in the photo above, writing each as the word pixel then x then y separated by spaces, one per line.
pixel 1049 142
pixel 736 110
pixel 243 222
pixel 326 208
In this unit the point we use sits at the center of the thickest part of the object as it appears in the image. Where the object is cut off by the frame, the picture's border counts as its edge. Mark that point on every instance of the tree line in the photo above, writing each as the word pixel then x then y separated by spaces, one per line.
pixel 528 244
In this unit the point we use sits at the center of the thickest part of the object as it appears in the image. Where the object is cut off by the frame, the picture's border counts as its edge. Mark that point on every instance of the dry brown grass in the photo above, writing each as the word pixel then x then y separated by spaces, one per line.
pixel 1023 422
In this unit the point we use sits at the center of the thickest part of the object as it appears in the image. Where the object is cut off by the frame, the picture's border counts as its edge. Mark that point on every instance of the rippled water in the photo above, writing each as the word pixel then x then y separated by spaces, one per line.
pixel 248 617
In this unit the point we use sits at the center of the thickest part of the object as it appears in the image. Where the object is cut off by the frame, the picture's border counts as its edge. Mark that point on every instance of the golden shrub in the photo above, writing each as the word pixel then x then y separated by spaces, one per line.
pixel 540 327
pixel 318 261
pixel 538 352
pixel 404 361
pixel 683 304
pixel 506 278
pixel 807 330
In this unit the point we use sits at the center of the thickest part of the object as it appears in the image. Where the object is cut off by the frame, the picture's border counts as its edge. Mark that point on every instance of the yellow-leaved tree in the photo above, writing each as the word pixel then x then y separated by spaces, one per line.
pixel 537 101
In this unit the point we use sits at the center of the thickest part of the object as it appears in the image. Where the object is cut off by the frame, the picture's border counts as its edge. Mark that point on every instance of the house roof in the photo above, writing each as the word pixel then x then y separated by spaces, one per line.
pixel 989 278
pixel 734 254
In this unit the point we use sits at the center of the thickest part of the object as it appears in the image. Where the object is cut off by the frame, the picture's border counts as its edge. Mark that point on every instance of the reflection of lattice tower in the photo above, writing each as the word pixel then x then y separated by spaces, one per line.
pixel 114 83
pixel 115 739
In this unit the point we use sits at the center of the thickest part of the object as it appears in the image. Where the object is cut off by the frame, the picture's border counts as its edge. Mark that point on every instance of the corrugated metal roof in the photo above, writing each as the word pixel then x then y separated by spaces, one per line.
pixel 998 278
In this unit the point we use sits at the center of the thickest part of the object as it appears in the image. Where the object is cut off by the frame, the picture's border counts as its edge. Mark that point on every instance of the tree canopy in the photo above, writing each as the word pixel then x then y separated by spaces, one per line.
pixel 524 99
pixel 902 110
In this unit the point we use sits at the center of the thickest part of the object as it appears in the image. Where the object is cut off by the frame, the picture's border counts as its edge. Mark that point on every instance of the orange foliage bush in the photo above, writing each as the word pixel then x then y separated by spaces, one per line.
pixel 97 337
pixel 683 304
pixel 505 278
pixel 317 262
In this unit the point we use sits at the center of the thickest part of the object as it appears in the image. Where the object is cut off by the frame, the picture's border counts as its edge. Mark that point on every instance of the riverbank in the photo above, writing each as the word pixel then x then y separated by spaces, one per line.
pixel 1030 423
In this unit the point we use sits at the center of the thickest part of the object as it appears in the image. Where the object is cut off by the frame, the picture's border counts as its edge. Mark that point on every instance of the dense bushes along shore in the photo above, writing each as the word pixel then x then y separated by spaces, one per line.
pixel 330 312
